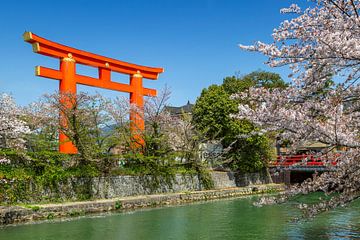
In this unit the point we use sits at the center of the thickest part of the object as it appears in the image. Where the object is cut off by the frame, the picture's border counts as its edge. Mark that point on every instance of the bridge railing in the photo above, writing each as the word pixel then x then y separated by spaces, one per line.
pixel 303 160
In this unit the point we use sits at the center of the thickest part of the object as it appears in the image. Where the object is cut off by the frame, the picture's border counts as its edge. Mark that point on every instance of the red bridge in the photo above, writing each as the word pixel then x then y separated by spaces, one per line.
pixel 290 169
pixel 305 160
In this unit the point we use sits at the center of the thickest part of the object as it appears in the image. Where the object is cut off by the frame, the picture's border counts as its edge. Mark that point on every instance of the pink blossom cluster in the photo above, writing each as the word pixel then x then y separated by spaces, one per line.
pixel 12 127
pixel 4 161
pixel 321 42
pixel 292 9
pixel 331 117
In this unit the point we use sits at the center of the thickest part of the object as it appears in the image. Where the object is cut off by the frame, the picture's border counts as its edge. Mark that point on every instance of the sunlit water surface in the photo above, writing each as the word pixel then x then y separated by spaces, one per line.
pixel 224 219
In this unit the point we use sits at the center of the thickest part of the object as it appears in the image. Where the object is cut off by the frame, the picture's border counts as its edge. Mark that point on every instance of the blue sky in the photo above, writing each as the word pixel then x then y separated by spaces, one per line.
pixel 194 40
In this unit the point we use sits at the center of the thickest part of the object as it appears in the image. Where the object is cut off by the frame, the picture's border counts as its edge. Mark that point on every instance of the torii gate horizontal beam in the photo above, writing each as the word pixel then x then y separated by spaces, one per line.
pixel 89 81
pixel 53 49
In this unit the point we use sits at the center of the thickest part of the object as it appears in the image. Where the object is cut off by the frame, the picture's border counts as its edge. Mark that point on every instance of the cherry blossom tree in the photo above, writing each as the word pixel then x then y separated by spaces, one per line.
pixel 156 120
pixel 85 122
pixel 321 45
pixel 12 127
pixel 164 134
pixel 43 120
pixel 321 42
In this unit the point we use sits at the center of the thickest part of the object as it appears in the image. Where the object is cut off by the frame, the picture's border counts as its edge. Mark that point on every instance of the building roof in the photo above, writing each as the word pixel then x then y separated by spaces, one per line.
pixel 179 110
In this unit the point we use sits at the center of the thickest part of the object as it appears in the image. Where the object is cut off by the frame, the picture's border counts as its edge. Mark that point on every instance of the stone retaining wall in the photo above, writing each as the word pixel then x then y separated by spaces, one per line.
pixel 223 179
pixel 235 179
pixel 17 214
pixel 75 189
pixel 246 179
pixel 123 186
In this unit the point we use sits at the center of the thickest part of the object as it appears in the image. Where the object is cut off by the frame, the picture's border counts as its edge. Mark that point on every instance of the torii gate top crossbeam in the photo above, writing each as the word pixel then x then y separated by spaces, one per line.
pixel 53 49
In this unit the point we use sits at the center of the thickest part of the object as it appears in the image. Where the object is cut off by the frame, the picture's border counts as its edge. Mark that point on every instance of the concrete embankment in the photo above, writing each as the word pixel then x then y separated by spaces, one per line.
pixel 28 213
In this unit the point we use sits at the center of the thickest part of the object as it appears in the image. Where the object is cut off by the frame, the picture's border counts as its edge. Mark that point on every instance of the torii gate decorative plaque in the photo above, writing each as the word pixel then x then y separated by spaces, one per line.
pixel 68 77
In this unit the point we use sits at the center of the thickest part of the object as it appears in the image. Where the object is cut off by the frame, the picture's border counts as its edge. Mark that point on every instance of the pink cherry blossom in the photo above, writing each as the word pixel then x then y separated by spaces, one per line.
pixel 321 45
pixel 12 127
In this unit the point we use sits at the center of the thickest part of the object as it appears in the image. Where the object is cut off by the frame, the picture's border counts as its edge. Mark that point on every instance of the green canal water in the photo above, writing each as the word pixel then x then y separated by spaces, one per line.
pixel 223 219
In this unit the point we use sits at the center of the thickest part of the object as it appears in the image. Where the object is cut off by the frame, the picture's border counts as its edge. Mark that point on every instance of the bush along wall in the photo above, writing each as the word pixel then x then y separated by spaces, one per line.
pixel 26 177
pixel 54 177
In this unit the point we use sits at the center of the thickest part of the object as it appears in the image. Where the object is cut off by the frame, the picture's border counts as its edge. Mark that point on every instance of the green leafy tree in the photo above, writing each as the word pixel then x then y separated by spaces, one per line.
pixel 212 116
pixel 212 110
pixel 255 79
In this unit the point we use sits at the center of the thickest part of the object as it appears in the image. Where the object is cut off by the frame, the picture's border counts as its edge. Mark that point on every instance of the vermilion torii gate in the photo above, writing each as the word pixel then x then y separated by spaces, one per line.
pixel 68 77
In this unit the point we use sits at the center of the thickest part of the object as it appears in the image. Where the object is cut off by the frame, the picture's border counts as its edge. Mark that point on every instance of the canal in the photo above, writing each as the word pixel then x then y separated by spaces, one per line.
pixel 223 219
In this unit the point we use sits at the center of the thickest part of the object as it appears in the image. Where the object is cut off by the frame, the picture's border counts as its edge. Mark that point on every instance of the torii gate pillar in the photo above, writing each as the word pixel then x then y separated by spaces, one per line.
pixel 137 115
pixel 67 85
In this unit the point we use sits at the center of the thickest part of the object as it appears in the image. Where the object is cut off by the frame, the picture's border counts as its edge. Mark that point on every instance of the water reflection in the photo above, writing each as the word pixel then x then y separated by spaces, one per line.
pixel 225 219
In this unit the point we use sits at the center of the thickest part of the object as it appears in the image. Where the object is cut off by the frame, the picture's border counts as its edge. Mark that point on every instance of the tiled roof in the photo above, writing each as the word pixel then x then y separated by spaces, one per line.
pixel 178 110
